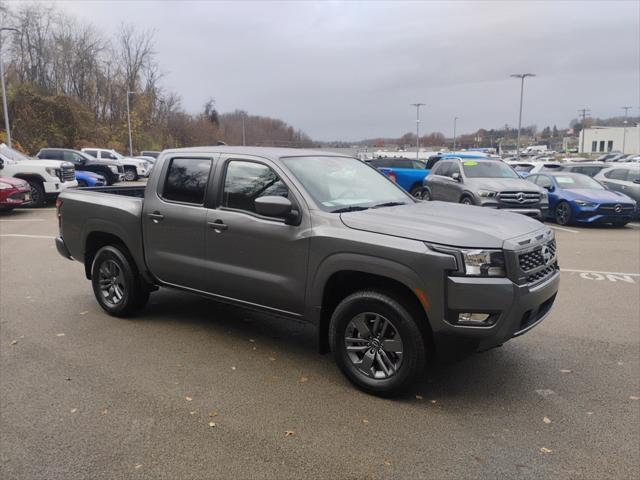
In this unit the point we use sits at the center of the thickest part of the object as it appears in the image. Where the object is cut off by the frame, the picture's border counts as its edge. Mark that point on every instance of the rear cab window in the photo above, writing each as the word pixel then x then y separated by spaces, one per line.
pixel 186 180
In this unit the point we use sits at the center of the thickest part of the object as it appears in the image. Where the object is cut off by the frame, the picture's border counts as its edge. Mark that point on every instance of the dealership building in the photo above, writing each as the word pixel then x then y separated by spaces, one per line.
pixel 610 139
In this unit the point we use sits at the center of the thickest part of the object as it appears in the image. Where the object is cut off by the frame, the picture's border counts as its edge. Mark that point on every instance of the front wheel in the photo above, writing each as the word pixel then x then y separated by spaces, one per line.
pixel 377 343
pixel 466 200
pixel 563 213
pixel 130 174
pixel 38 198
pixel 418 192
pixel 116 283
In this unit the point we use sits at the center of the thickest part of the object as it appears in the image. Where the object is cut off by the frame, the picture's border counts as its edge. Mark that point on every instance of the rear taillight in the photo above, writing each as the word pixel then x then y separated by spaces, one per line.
pixel 393 177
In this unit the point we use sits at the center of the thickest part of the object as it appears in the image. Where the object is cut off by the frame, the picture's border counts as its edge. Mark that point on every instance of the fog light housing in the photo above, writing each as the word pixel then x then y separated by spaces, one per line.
pixel 474 318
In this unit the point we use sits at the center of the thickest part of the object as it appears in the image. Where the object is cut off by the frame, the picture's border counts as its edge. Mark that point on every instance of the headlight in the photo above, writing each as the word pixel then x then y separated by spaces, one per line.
pixel 486 193
pixel 582 203
pixel 113 168
pixel 4 186
pixel 544 195
pixel 484 263
pixel 54 172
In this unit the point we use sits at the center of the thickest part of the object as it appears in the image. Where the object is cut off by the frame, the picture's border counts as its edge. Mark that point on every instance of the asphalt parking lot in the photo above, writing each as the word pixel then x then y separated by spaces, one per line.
pixel 195 389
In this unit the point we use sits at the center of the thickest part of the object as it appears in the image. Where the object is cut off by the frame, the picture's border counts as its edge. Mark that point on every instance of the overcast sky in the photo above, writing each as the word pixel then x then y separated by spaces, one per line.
pixel 349 70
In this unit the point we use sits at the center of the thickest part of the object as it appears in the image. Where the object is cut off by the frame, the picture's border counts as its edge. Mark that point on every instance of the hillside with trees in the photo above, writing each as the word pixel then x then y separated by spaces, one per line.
pixel 68 86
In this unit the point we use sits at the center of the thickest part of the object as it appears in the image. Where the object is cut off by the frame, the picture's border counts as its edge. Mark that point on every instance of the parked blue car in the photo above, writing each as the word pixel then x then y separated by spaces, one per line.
pixel 86 178
pixel 577 198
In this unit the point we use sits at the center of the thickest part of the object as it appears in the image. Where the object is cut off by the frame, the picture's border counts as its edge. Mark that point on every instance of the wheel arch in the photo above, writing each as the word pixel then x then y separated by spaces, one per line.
pixel 332 285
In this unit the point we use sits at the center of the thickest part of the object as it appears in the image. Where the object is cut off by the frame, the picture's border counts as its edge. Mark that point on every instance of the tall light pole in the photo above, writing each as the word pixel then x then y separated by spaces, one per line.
pixel 521 76
pixel 4 89
pixel 624 131
pixel 418 105
pixel 585 113
pixel 244 137
pixel 455 124
pixel 129 123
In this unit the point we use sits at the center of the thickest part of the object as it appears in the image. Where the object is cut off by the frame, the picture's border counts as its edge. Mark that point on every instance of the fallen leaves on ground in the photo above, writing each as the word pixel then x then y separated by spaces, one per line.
pixel 546 420
pixel 212 424
pixel 289 433
pixel 565 370
pixel 192 412
pixel 479 459
pixel 545 450
pixel 434 401
pixel 303 380
pixel 633 397
pixel 188 399
pixel 213 414
pixel 233 368
pixel 387 463
pixel 138 466
pixel 14 342
pixel 104 412
pixel 84 313
pixel 272 359
pixel 74 410
pixel 364 420
pixel 60 334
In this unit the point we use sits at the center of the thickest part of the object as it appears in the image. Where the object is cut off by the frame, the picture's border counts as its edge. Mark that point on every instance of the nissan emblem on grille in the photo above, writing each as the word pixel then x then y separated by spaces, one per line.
pixel 546 254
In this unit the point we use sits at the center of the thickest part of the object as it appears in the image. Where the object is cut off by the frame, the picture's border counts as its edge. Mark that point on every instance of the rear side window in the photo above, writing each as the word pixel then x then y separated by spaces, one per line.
pixel 187 180
pixel 51 154
pixel 246 181
pixel 93 153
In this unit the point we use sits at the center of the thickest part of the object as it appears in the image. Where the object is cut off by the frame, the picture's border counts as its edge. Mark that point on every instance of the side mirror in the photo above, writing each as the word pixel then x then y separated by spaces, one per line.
pixel 276 206
pixel 456 176
pixel 549 188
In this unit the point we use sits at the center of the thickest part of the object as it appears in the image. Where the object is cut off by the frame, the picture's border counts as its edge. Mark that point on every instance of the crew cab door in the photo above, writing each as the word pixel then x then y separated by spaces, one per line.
pixel 252 258
pixel 437 179
pixel 174 221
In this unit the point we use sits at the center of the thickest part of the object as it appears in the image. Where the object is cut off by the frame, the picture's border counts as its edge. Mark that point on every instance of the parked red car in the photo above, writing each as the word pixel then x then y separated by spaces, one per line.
pixel 13 193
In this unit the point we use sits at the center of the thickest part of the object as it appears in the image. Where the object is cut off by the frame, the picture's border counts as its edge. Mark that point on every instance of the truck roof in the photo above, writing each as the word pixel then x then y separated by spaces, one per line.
pixel 272 153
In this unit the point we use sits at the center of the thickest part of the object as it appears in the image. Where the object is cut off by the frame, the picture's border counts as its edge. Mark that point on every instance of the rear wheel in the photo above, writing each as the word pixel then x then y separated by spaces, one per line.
pixel 563 213
pixel 377 342
pixel 38 198
pixel 116 283
pixel 130 174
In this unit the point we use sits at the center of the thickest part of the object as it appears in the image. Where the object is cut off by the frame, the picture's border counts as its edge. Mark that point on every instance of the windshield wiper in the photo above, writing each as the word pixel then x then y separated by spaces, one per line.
pixel 389 204
pixel 353 208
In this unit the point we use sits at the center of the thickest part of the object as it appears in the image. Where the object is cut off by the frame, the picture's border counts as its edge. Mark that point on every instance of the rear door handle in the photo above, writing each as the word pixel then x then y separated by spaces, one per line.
pixel 156 217
pixel 218 226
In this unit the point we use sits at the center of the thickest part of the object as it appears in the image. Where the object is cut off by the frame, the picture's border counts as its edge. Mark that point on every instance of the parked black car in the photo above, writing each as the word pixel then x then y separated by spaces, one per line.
pixel 112 171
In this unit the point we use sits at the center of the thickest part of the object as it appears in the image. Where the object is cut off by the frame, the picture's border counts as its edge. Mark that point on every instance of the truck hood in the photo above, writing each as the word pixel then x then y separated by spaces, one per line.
pixel 37 163
pixel 444 223
pixel 502 184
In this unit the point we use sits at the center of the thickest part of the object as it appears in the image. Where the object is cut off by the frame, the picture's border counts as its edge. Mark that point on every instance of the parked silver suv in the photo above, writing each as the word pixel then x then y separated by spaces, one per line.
pixel 623 178
pixel 487 183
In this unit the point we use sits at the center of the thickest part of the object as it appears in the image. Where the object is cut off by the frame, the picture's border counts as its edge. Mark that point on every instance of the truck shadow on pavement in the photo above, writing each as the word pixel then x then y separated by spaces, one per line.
pixel 505 371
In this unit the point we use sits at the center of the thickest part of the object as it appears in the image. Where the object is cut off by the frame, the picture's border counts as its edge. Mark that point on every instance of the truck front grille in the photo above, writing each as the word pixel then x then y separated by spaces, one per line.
pixel 542 274
pixel 516 199
pixel 538 257
pixel 67 174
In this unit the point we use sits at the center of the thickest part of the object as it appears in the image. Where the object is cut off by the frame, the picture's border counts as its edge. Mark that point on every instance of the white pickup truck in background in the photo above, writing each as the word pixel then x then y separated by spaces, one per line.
pixel 134 168
pixel 47 178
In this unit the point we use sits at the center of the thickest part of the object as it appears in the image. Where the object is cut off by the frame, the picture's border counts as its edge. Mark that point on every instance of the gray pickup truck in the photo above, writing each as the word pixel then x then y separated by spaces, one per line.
pixel 386 279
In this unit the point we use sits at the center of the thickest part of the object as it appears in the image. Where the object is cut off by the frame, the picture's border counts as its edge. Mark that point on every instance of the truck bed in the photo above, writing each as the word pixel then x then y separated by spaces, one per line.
pixel 128 191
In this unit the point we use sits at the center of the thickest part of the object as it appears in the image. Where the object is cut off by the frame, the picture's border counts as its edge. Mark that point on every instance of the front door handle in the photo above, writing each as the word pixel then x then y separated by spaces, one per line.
pixel 156 217
pixel 218 226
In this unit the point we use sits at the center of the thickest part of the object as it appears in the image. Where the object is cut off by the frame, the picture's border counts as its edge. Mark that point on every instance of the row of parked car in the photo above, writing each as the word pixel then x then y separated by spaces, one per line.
pixel 34 181
pixel 573 192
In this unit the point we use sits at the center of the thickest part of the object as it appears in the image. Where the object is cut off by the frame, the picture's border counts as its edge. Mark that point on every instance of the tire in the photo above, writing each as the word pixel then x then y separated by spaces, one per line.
pixel 6 208
pixel 130 174
pixel 82 183
pixel 417 191
pixel 38 198
pixel 362 309
pixel 467 200
pixel 116 284
pixel 562 213
pixel 426 195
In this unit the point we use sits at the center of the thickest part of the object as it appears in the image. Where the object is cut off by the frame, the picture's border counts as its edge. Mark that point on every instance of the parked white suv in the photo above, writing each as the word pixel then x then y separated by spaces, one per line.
pixel 133 167
pixel 47 178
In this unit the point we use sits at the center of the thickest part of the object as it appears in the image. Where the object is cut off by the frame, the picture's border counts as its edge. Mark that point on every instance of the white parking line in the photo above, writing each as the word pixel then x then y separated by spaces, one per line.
pixel 564 229
pixel 601 273
pixel 22 220
pixel 26 236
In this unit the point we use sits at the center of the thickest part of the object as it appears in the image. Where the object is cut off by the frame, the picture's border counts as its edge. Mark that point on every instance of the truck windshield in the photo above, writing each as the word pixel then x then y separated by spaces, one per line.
pixel 336 183
pixel 12 154
pixel 487 169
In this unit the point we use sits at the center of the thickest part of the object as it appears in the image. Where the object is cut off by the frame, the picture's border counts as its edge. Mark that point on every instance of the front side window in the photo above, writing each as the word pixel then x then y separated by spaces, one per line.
pixel 246 181
pixel 336 183
pixel 70 157
pixel 617 174
pixel 442 169
pixel 187 180
pixel 543 181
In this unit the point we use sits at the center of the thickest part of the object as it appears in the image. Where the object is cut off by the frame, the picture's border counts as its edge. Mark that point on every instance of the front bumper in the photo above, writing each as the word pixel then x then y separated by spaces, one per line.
pixel 537 210
pixel 514 309
pixel 56 187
